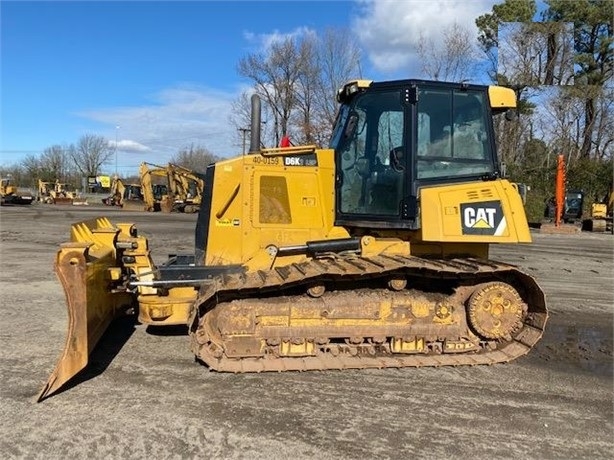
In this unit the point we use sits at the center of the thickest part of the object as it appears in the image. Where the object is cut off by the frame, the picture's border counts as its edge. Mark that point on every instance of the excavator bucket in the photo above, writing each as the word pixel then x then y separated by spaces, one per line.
pixel 89 272
pixel 166 204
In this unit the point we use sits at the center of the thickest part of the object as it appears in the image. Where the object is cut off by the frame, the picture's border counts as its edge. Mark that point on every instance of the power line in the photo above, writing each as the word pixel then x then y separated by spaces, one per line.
pixel 21 151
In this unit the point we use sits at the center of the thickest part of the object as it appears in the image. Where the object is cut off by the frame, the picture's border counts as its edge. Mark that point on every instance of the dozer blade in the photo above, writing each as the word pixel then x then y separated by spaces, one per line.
pixel 134 205
pixel 80 201
pixel 62 200
pixel 86 268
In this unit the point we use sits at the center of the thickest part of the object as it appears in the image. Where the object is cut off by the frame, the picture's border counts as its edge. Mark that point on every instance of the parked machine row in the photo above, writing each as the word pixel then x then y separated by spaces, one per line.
pixel 170 188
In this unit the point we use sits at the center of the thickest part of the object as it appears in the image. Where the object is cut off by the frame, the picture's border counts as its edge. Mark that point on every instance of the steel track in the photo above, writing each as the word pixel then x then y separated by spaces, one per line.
pixel 466 271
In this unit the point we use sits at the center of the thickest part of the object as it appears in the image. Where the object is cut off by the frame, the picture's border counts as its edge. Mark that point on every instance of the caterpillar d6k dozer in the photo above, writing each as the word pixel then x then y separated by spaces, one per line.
pixel 372 253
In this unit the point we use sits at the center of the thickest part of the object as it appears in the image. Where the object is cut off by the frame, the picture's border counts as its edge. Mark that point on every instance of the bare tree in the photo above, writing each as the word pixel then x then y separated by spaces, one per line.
pixel 604 127
pixel 240 118
pixel 536 53
pixel 593 38
pixel 195 158
pixel 18 173
pixel 560 115
pixel 561 121
pixel 297 79
pixel 275 76
pixel 329 61
pixel 338 60
pixel 451 60
pixel 90 153
pixel 489 24
pixel 54 164
pixel 306 90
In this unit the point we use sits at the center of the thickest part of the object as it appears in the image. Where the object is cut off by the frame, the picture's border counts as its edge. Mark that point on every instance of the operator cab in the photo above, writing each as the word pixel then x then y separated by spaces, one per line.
pixel 391 139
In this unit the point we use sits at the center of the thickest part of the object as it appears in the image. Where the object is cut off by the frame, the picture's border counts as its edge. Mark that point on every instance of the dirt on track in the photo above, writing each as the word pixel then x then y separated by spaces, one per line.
pixel 144 396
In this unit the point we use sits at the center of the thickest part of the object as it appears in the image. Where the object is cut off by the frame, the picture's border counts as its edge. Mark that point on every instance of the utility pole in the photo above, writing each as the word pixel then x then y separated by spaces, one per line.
pixel 116 130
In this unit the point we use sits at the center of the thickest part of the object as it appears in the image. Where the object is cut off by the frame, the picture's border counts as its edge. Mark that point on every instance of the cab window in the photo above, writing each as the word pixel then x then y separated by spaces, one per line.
pixel 372 156
pixel 452 139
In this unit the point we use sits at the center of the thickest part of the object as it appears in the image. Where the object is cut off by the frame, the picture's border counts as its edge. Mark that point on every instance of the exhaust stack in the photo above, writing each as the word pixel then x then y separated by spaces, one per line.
pixel 254 145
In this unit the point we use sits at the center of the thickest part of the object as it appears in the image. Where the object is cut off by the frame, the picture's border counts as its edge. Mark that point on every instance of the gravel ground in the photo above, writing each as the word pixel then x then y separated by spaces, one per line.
pixel 144 396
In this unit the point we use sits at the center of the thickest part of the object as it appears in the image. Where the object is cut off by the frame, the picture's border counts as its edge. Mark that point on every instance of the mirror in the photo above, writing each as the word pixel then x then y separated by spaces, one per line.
pixel 350 128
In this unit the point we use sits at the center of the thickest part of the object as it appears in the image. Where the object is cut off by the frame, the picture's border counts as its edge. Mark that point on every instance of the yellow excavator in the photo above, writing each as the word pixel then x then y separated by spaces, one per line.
pixel 124 195
pixel 144 196
pixel 155 195
pixel 186 188
pixel 372 253
pixel 181 191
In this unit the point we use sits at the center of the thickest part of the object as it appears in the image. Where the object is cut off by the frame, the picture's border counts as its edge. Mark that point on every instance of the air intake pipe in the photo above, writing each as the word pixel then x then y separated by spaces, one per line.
pixel 254 145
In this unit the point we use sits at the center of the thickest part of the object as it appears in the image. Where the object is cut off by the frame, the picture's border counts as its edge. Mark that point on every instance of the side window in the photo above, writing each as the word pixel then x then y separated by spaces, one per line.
pixel 452 135
pixel 274 202
pixel 385 185
pixel 390 129
pixel 435 123
pixel 469 127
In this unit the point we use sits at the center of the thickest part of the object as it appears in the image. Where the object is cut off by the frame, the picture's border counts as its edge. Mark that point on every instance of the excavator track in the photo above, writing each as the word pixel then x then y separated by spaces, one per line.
pixel 368 312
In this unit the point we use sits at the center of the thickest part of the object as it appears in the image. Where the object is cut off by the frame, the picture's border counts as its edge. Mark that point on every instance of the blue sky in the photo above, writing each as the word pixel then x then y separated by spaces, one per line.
pixel 165 72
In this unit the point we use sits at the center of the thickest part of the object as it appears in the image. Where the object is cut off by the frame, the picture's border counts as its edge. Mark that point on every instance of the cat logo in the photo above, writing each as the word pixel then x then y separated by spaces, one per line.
pixel 485 218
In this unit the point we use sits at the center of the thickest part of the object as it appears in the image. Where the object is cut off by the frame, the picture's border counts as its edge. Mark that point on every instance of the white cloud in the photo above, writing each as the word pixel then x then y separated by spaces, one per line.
pixel 177 118
pixel 387 30
pixel 125 145
pixel 264 41
pixel 390 29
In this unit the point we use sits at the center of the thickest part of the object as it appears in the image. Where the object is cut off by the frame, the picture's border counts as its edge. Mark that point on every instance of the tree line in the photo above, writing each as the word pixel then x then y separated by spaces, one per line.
pixel 561 68
pixel 72 163
pixel 68 163
pixel 559 65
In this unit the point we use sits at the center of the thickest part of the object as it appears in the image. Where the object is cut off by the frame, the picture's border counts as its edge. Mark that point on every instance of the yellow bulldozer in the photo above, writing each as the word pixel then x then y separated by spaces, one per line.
pixel 58 193
pixel 10 194
pixel 602 214
pixel 372 253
